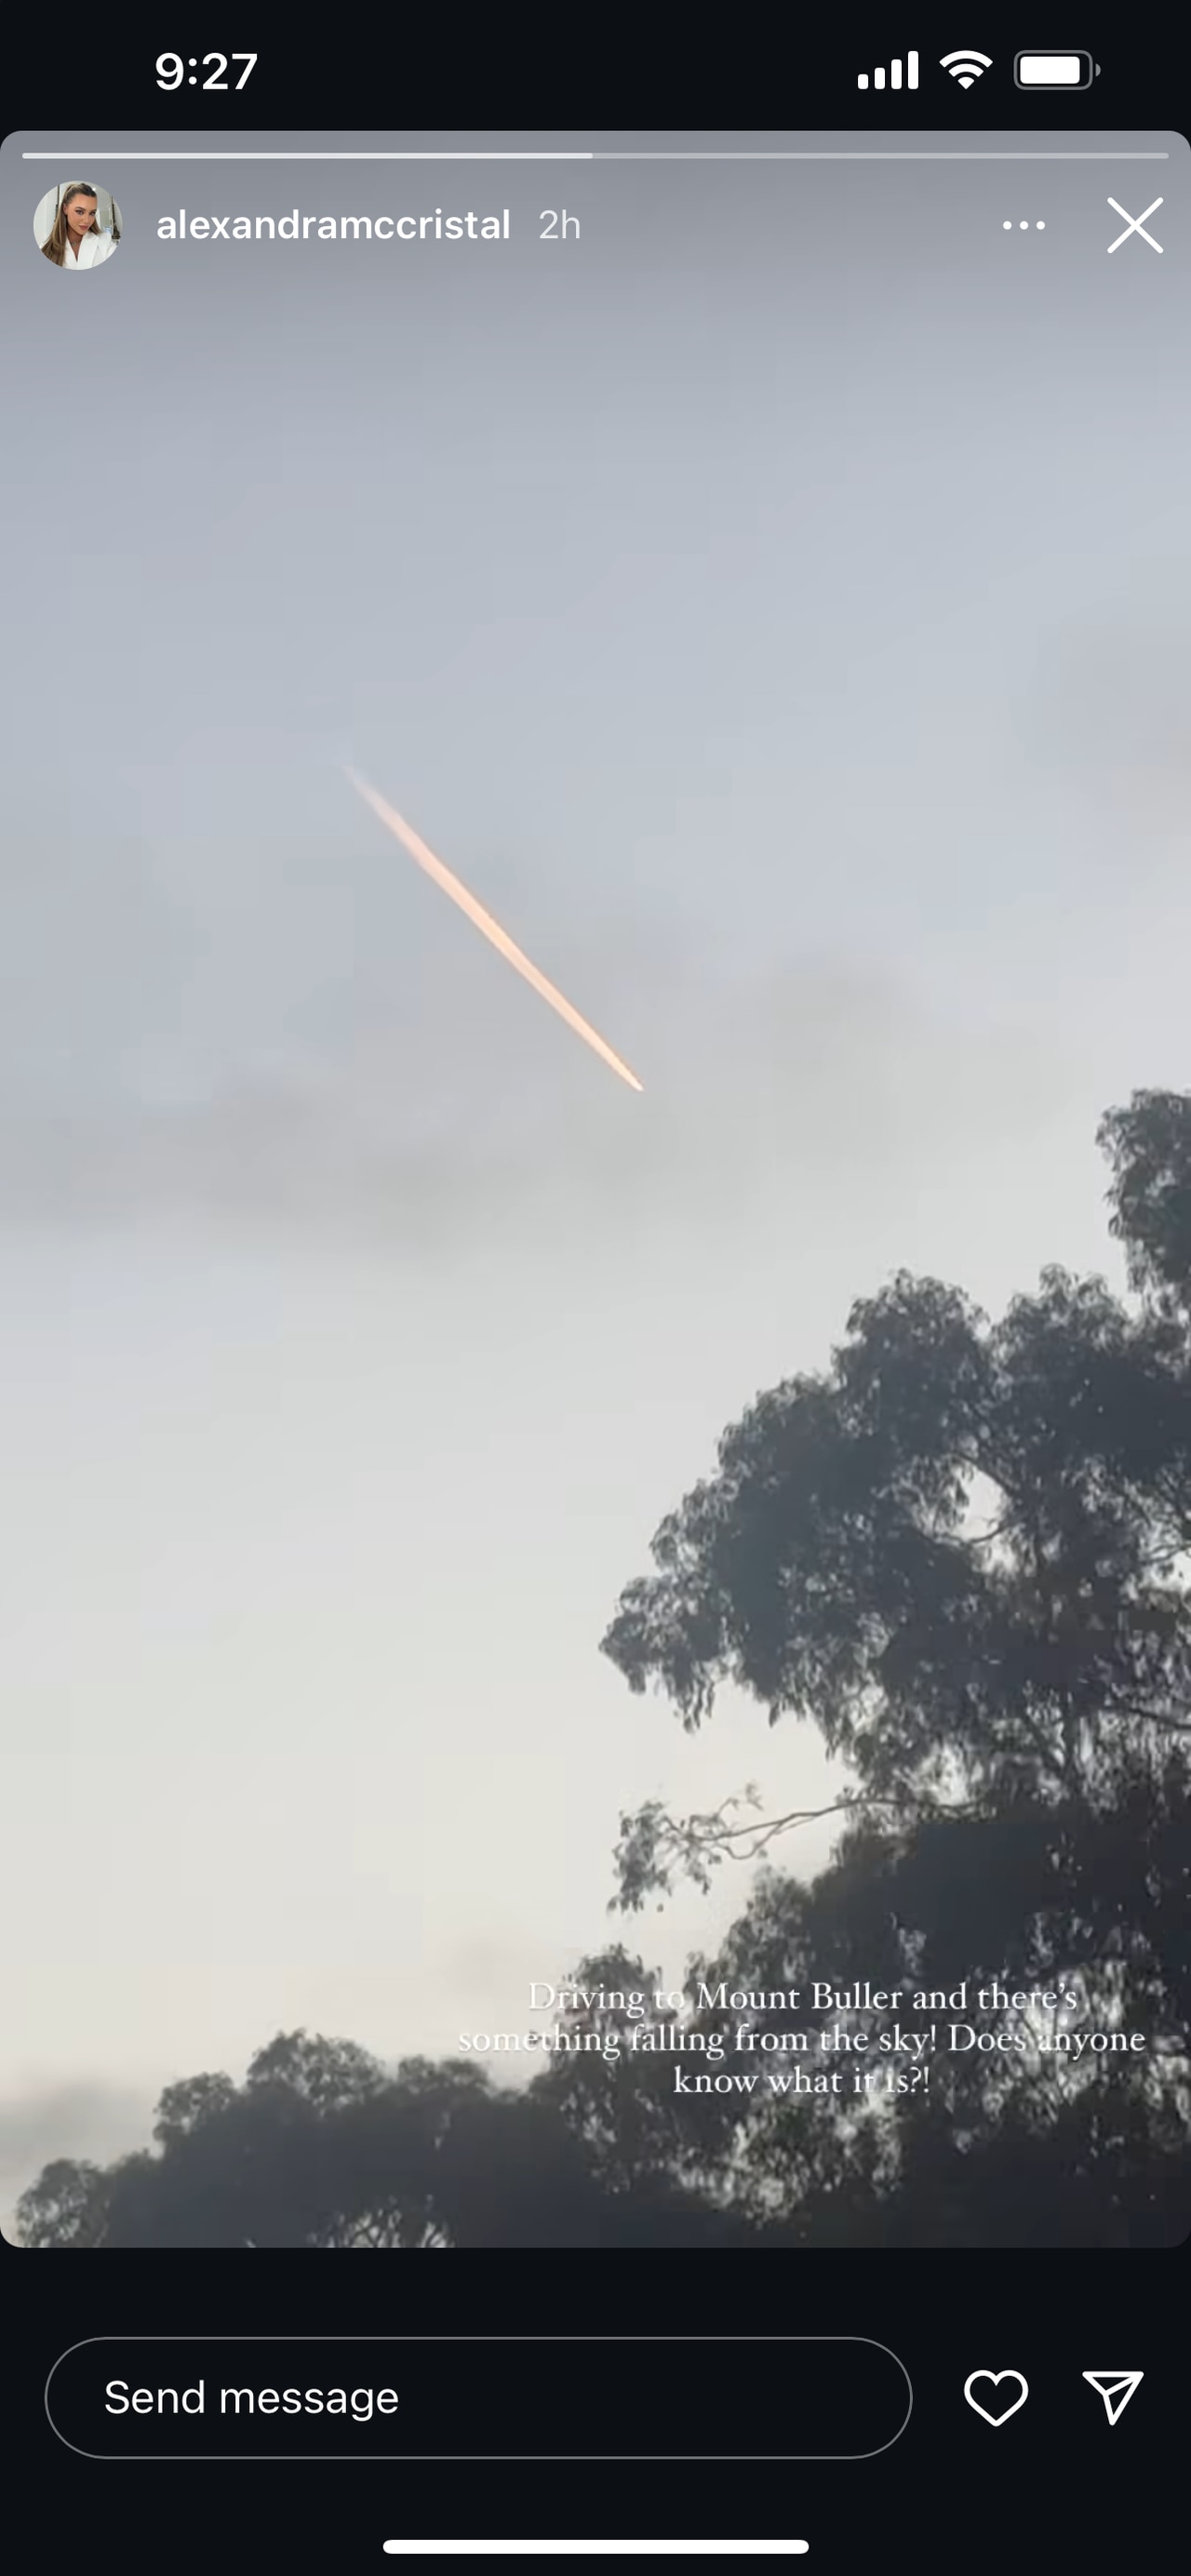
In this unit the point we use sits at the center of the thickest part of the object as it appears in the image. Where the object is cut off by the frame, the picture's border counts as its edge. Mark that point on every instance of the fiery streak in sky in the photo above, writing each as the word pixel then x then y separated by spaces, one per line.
pixel 500 939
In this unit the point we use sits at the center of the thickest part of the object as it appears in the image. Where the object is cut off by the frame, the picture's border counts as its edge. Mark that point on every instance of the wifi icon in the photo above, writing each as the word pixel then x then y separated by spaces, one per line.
pixel 965 66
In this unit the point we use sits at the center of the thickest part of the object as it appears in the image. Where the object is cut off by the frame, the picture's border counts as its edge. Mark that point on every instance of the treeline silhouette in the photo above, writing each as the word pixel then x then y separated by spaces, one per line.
pixel 962 1553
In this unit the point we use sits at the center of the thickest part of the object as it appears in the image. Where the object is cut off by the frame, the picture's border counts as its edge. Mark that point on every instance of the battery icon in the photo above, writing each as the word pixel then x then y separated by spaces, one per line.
pixel 1054 71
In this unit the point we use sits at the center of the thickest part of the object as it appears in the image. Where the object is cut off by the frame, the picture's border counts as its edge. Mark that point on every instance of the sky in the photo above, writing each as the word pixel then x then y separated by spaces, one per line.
pixel 772 605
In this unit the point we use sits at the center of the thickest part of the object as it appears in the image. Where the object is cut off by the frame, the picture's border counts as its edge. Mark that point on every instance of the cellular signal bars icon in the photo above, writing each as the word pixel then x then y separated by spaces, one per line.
pixel 895 75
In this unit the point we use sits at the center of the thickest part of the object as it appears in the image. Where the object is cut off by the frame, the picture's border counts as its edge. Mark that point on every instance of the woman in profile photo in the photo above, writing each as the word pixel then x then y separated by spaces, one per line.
pixel 75 240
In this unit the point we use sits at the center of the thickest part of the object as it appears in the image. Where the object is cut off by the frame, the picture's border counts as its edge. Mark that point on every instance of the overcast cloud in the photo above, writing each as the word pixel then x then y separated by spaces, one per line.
pixel 772 605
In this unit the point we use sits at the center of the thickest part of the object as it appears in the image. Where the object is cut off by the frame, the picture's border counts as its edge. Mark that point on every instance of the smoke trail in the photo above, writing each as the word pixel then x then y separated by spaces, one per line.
pixel 500 939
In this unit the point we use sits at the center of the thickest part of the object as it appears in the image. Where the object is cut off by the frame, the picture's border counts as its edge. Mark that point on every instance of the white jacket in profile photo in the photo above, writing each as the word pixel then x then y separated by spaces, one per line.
pixel 93 248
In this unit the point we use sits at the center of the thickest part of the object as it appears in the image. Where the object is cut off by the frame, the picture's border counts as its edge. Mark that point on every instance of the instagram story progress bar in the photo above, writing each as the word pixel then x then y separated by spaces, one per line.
pixel 895 75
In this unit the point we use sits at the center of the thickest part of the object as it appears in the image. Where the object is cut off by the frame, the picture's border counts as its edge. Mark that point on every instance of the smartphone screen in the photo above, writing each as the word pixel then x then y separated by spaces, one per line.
pixel 596 1178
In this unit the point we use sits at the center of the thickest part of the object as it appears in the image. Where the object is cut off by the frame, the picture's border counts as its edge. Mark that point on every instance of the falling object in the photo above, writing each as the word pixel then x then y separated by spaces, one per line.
pixel 450 884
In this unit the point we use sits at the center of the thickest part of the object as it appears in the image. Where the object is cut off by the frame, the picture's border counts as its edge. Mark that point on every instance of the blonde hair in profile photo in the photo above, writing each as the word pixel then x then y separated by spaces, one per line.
pixel 55 248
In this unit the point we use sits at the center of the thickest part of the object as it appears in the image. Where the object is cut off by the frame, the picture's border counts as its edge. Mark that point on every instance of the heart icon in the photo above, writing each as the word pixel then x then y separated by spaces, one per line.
pixel 994 2378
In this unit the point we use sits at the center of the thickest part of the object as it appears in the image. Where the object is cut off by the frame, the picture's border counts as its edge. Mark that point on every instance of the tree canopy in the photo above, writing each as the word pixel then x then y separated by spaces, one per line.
pixel 961 1553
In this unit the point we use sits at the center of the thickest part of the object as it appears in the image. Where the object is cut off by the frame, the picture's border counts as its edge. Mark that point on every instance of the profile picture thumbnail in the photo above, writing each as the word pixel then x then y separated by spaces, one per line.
pixel 77 226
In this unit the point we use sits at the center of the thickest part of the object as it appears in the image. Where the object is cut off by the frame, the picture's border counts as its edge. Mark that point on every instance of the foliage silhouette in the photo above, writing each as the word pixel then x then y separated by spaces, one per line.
pixel 962 1554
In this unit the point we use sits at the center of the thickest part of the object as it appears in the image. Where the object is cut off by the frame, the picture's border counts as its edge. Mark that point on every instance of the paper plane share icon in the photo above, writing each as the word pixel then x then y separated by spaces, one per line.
pixel 1116 2387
